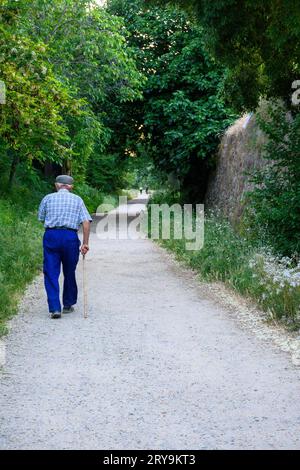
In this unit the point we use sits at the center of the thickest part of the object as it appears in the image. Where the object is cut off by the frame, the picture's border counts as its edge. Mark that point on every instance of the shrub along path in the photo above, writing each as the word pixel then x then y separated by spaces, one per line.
pixel 155 365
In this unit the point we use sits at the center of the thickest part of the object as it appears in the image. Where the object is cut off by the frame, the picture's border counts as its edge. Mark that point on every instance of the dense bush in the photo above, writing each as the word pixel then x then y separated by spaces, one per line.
pixel 182 114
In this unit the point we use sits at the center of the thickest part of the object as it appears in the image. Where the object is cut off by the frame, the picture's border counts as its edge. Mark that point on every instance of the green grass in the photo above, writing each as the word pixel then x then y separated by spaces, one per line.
pixel 245 265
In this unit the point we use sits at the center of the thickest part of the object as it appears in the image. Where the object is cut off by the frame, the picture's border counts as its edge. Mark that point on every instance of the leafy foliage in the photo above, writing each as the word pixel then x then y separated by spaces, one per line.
pixel 87 47
pixel 67 69
pixel 257 40
pixel 32 125
pixel 182 114
pixel 276 197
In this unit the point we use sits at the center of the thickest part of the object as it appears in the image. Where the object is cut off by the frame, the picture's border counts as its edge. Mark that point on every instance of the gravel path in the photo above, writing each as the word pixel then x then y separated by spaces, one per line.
pixel 156 365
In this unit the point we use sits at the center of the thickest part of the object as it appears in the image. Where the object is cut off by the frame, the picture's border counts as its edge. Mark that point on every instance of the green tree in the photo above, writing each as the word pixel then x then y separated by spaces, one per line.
pixel 88 51
pixel 275 201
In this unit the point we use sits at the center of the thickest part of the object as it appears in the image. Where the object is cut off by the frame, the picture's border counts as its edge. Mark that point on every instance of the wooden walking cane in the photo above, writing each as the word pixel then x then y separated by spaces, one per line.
pixel 84 288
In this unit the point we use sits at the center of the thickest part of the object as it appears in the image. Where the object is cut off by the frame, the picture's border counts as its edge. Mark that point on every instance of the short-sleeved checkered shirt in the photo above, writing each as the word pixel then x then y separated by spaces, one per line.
pixel 63 209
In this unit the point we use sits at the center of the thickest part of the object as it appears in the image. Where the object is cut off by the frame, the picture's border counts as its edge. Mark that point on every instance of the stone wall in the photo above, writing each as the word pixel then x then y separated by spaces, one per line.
pixel 240 152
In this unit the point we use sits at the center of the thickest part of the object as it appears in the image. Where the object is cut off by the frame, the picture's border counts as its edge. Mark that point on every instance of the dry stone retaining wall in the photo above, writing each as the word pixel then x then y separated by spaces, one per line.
pixel 240 152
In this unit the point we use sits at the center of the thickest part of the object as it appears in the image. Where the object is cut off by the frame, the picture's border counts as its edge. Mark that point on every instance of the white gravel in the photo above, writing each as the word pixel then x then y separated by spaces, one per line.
pixel 159 364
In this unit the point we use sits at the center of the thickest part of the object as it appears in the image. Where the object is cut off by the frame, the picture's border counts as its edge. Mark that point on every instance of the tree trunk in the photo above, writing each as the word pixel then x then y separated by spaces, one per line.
pixel 13 168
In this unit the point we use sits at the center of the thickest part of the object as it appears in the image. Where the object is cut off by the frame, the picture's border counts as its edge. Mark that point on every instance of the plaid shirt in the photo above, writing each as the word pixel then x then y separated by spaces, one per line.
pixel 63 209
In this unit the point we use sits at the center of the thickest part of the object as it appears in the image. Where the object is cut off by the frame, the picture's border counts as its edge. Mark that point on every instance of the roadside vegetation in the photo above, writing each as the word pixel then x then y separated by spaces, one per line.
pixel 138 94
pixel 243 263
pixel 21 254
pixel 65 93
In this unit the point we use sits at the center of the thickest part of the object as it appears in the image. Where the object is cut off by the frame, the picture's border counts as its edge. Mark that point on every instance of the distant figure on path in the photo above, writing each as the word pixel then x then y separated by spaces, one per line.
pixel 62 213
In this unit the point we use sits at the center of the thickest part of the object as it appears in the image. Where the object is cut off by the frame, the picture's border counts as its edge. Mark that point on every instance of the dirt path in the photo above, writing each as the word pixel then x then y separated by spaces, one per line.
pixel 155 365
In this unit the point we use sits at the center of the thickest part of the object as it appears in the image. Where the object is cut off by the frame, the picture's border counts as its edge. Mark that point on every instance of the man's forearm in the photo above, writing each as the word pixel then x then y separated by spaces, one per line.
pixel 86 232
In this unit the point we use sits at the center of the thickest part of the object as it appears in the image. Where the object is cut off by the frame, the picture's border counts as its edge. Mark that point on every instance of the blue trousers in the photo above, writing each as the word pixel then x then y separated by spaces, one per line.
pixel 61 247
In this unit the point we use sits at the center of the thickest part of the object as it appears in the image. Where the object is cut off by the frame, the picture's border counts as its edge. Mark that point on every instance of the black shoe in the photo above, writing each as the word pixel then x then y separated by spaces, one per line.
pixel 68 309
pixel 55 314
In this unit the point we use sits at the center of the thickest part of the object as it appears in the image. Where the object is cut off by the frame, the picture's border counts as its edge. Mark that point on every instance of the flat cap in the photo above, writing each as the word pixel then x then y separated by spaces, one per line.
pixel 64 179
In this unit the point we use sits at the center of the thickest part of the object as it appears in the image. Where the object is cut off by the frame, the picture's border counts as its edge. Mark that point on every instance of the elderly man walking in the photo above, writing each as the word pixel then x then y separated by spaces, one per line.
pixel 62 213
